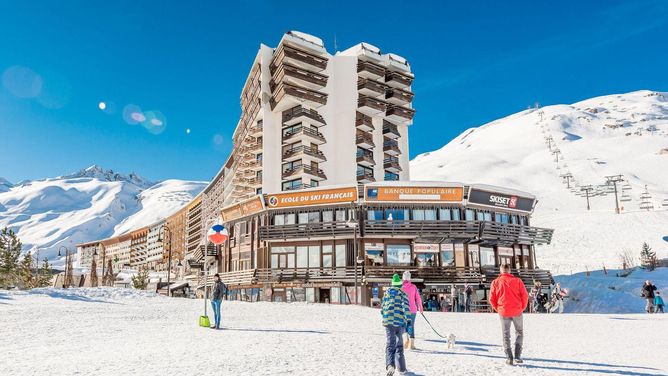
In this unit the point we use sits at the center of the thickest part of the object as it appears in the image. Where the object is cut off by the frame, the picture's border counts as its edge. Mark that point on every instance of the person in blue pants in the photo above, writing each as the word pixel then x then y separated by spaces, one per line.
pixel 396 313
pixel 216 299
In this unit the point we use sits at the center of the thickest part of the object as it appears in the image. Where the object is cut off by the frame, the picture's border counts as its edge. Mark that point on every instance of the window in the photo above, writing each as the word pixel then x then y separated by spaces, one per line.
pixel 444 214
pixel 327 216
pixel 340 255
pixel 309 217
pixel 455 215
pixel 374 215
pixel 424 214
pixel 398 254
pixel 313 256
pixel 362 170
pixel 513 219
pixel 374 253
pixel 258 191
pixel 479 216
pixel 524 221
pixel 396 214
pixel 487 257
pixel 302 257
pixel 340 215
pixel 469 214
pixel 327 260
pixel 259 157
pixel 390 176
pixel 288 131
pixel 447 255
pixel 292 184
pixel 501 217
pixel 289 166
pixel 426 259
pixel 290 219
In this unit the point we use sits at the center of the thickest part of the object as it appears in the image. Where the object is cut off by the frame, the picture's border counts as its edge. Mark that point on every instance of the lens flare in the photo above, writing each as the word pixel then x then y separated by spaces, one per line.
pixel 102 106
pixel 154 121
pixel 22 82
pixel 218 139
pixel 188 130
pixel 132 114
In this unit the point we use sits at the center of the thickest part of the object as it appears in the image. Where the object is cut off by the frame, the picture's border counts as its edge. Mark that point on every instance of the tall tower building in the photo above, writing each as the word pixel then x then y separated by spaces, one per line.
pixel 310 119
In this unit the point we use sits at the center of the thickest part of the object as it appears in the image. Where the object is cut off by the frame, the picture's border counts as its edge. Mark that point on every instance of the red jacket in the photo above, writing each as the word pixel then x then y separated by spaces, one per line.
pixel 508 295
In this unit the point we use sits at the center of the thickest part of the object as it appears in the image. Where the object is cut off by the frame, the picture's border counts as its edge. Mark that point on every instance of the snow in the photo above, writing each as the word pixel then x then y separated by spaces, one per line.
pixel 110 331
pixel 88 205
pixel 609 135
pixel 601 293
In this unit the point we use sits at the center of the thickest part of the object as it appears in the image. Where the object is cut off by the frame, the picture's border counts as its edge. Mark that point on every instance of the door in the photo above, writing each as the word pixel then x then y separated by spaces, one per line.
pixel 506 260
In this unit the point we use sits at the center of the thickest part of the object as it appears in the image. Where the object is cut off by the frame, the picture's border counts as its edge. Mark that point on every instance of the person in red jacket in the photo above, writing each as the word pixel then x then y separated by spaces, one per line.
pixel 509 297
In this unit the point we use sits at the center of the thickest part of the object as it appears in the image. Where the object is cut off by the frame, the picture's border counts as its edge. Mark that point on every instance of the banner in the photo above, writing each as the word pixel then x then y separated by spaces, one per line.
pixel 413 194
pixel 244 208
pixel 500 200
pixel 313 197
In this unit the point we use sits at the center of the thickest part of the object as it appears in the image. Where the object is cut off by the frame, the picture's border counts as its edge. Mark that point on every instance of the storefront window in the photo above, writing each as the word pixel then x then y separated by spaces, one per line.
pixel 396 214
pixel 291 260
pixel 374 215
pixel 314 256
pixel 310 217
pixel 426 259
pixel 327 260
pixel 447 255
pixel 469 214
pixel 501 217
pixel 302 257
pixel 398 254
pixel 374 253
pixel 335 294
pixel 340 255
pixel 474 259
pixel 424 214
pixel 340 215
pixel 444 214
pixel 487 257
pixel 328 216
pixel 274 261
pixel 455 215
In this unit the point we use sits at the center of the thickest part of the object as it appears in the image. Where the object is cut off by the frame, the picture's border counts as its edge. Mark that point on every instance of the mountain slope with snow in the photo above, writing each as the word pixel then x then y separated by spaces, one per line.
pixel 623 134
pixel 88 205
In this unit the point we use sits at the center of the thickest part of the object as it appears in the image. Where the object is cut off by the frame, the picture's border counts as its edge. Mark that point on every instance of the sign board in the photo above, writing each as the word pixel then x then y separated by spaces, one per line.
pixel 374 246
pixel 447 247
pixel 425 248
pixel 500 200
pixel 505 251
pixel 244 208
pixel 412 194
pixel 313 197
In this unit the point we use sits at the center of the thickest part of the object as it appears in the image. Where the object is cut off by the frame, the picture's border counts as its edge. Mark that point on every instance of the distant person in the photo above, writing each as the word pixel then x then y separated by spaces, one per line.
pixel 558 295
pixel 535 297
pixel 647 292
pixel 508 296
pixel 396 316
pixel 432 304
pixel 468 292
pixel 217 299
pixel 658 302
pixel 444 304
pixel 414 302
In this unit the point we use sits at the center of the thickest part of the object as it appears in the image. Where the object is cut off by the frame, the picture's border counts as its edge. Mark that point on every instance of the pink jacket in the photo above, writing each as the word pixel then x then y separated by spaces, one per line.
pixel 414 298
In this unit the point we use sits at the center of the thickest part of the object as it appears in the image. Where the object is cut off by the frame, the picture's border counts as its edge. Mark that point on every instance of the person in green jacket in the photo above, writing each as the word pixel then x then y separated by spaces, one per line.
pixel 396 313
pixel 658 302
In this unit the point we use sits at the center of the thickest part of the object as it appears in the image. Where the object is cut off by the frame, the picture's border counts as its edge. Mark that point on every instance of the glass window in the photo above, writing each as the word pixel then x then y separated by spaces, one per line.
pixel 340 215
pixel 487 216
pixel 279 219
pixel 487 257
pixel 455 215
pixel 447 256
pixel 282 249
pixel 313 217
pixel 445 214
pixel 327 216
pixel 426 259
pixel 291 260
pixel 418 214
pixel 474 259
pixel 282 262
pixel 504 218
pixel 340 255
pixel 327 260
pixel 524 221
pixel 290 219
pixel 313 256
pixel 373 215
pixel 479 216
pixel 396 214
pixel 430 214
pixel 497 217
pixel 302 257
pixel 310 294
pixel 326 248
pixel 513 219
pixel 469 214
pixel 274 261
pixel 398 254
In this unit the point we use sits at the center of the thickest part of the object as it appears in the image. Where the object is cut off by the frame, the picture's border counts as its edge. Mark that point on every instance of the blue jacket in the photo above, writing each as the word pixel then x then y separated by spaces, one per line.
pixel 394 308
pixel 658 300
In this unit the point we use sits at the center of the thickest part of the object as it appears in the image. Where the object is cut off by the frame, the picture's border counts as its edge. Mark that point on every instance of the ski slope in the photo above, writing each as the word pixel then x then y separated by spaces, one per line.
pixel 625 134
pixel 110 331
pixel 88 205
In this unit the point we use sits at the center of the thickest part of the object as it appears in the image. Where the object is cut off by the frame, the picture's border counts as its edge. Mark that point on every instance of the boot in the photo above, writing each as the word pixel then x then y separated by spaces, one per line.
pixel 509 357
pixel 406 341
pixel 412 343
pixel 518 354
pixel 390 370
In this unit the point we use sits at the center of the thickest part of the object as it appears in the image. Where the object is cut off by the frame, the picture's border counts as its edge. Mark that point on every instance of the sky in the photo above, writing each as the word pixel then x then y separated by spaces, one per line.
pixel 179 68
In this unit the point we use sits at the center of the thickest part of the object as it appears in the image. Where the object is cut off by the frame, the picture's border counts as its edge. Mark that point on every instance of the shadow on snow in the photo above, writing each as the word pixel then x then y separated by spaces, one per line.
pixel 276 330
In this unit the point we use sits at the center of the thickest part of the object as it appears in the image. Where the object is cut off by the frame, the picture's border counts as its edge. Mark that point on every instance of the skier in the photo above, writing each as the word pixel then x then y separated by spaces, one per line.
pixel 558 299
pixel 396 316
pixel 509 297
pixel 216 299
pixel 535 297
pixel 414 302
pixel 658 302
pixel 648 293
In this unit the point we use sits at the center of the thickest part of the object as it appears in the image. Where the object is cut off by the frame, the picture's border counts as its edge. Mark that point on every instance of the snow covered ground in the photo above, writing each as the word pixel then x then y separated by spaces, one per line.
pixel 113 331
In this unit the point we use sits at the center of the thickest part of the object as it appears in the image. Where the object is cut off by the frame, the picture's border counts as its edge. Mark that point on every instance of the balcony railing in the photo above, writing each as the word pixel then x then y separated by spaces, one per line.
pixel 370 87
pixel 304 169
pixel 364 122
pixel 296 75
pixel 316 98
pixel 442 274
pixel 391 177
pixel 293 115
pixel 365 177
pixel 304 131
pixel 506 233
pixel 392 164
pixel 400 113
pixel 299 186
pixel 391 147
pixel 304 275
pixel 365 158
pixel 307 150
pixel 465 230
pixel 305 230
pixel 370 70
pixel 299 57
pixel 528 276
pixel 398 96
pixel 364 139
pixel 370 106
pixel 397 79
pixel 390 130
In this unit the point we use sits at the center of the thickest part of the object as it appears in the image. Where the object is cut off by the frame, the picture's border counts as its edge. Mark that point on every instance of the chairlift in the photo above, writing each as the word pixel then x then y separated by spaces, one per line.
pixel 665 202
pixel 625 198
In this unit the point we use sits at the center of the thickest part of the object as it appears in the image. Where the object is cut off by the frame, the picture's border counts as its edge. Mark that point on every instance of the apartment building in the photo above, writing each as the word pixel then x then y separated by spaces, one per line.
pixel 154 246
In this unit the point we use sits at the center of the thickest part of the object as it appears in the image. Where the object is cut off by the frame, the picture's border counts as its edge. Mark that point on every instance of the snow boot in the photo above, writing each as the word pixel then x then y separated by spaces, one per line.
pixel 406 341
pixel 518 354
pixel 390 370
pixel 509 357
pixel 412 344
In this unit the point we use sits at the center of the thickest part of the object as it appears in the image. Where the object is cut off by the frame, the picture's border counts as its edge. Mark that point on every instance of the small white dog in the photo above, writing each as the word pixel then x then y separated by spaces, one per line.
pixel 451 341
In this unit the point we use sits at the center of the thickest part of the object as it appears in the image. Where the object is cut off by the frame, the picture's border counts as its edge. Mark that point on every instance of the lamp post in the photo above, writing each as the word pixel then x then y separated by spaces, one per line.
pixel 164 228
pixel 104 260
pixel 353 224
pixel 67 264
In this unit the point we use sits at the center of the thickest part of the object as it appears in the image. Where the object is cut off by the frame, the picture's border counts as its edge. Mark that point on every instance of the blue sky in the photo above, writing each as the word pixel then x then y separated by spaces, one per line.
pixel 474 61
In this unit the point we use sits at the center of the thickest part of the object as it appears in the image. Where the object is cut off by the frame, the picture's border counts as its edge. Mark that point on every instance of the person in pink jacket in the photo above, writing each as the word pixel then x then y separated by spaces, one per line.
pixel 415 303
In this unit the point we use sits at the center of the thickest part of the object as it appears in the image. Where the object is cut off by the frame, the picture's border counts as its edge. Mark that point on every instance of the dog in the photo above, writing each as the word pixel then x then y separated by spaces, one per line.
pixel 451 341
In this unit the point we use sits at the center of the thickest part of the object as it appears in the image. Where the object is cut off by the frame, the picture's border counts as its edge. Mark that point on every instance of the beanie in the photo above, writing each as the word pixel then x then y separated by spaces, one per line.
pixel 407 276
pixel 396 280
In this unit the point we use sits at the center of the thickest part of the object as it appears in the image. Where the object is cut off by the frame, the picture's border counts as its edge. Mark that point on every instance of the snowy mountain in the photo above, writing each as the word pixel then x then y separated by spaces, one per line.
pixel 5 185
pixel 87 205
pixel 533 150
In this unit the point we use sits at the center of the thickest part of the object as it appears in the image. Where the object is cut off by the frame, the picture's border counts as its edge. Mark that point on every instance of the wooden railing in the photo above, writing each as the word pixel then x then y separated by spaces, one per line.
pixel 298 111
pixel 401 95
pixel 339 274
pixel 402 112
pixel 375 69
pixel 507 233
pixel 528 276
pixel 446 229
pixel 401 79
pixel 306 150
pixel 439 274
pixel 305 230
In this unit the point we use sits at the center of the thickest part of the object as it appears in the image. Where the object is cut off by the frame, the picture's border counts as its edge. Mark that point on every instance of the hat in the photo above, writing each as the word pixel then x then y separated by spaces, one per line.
pixel 396 280
pixel 407 276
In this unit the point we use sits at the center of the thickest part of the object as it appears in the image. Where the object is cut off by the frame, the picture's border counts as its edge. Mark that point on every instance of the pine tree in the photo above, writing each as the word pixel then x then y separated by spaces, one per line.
pixel 108 279
pixel 647 257
pixel 140 280
pixel 26 279
pixel 93 273
pixel 10 252
pixel 45 274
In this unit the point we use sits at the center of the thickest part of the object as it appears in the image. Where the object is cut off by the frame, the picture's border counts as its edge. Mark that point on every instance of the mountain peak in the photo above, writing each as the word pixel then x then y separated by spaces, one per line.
pixel 5 184
pixel 97 172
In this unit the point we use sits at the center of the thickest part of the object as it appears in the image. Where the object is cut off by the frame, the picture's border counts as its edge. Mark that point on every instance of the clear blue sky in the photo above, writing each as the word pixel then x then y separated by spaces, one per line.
pixel 474 61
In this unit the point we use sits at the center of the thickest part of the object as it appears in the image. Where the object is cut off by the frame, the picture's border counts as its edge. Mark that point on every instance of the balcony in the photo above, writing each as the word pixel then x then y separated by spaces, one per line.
pixel 390 130
pixel 297 187
pixel 370 70
pixel 370 106
pixel 313 172
pixel 255 130
pixel 448 230
pixel 255 148
pixel 392 164
pixel 299 114
pixel 389 176
pixel 436 274
pixel 254 182
pixel 305 230
pixel 254 165
pixel 391 147
pixel 507 234
pixel 370 88
pixel 365 158
pixel 303 151
pixel 364 122
pixel 297 76
pixel 398 113
pixel 396 79
pixel 298 57
pixel 365 140
pixel 365 177
pixel 398 96
pixel 287 95
pixel 305 135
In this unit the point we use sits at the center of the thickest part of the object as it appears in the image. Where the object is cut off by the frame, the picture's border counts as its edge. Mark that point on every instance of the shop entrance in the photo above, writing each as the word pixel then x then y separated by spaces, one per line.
pixel 506 260
pixel 325 296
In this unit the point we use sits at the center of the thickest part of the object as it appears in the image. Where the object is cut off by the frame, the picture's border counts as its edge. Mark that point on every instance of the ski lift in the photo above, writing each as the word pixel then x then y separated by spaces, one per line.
pixel 625 198
pixel 665 202
pixel 626 187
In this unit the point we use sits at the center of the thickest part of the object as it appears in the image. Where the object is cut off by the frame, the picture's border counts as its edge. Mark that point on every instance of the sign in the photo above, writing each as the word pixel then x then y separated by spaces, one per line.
pixel 314 197
pixel 425 248
pixel 374 246
pixel 217 234
pixel 244 208
pixel 413 194
pixel 447 247
pixel 505 251
pixel 500 200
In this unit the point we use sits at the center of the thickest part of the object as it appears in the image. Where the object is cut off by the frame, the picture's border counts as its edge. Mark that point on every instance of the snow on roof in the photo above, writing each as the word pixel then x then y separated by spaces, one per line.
pixel 305 40
pixel 396 61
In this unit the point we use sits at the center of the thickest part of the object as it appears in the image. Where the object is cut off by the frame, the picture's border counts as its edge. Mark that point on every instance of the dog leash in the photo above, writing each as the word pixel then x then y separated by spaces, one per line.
pixel 431 326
